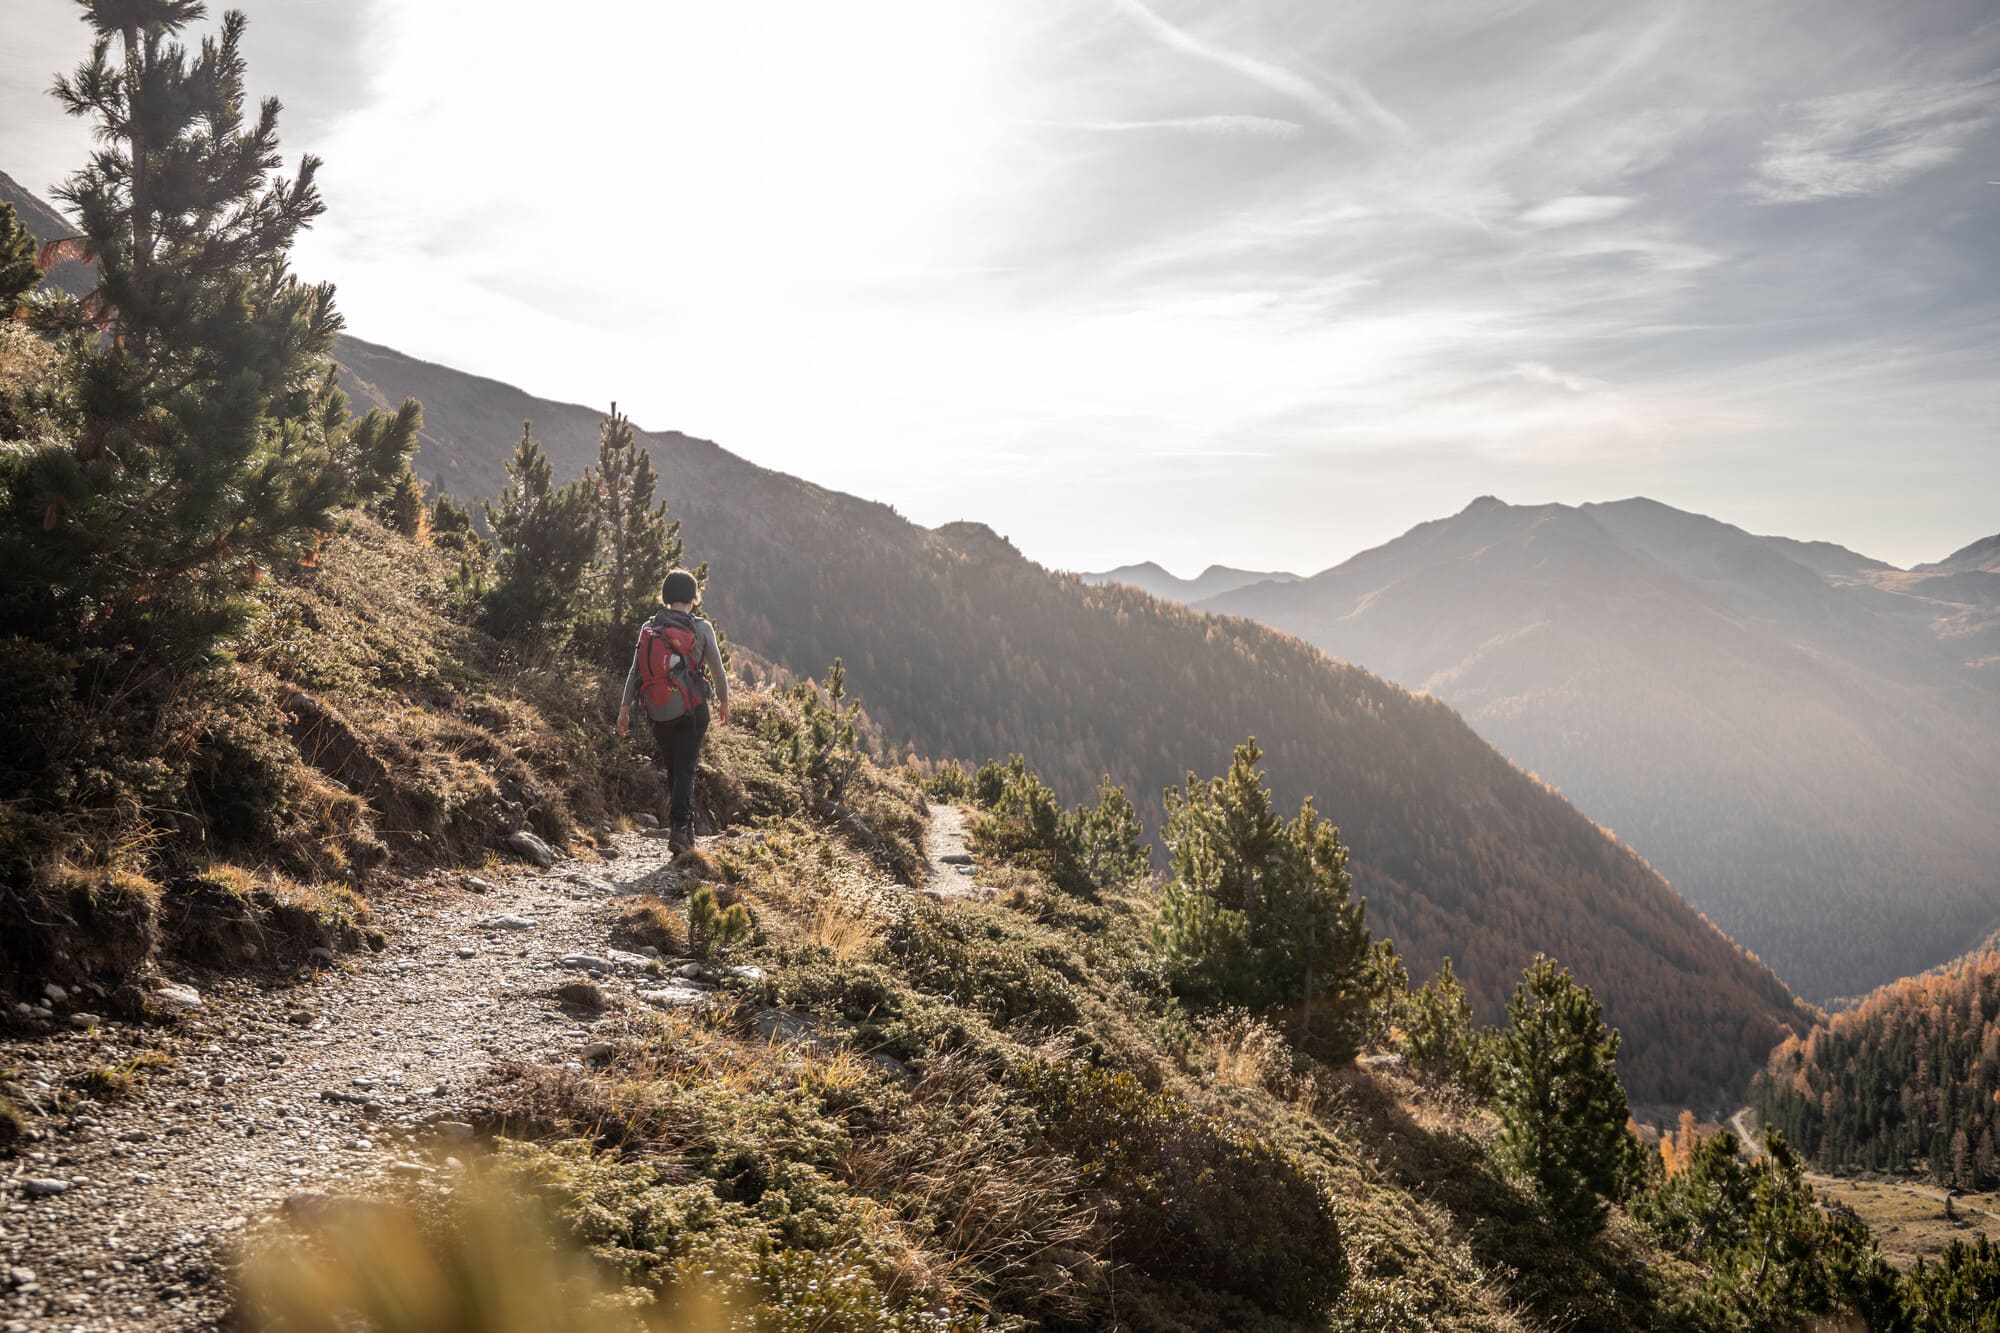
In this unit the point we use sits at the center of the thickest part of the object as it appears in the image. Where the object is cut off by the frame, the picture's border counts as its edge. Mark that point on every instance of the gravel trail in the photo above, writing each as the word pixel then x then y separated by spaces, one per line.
pixel 947 847
pixel 270 1097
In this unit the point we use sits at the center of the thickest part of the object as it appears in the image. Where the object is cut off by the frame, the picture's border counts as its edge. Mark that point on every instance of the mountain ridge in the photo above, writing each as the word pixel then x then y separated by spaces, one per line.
pixel 1783 743
pixel 1214 581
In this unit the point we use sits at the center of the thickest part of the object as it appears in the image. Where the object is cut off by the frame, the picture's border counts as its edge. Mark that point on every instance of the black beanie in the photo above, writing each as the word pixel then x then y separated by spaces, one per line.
pixel 679 587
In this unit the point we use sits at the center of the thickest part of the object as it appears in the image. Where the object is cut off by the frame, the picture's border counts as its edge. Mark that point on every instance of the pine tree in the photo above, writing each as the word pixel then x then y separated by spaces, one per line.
pixel 214 442
pixel 1110 843
pixel 1439 1036
pixel 403 508
pixel 1259 911
pixel 18 273
pixel 639 543
pixel 543 537
pixel 1562 1110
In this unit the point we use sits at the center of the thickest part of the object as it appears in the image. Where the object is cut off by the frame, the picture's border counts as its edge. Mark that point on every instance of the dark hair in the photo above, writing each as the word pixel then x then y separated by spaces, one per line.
pixel 679 586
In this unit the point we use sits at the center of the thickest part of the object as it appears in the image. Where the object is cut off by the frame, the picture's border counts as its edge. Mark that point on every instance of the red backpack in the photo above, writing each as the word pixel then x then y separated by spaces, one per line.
pixel 670 662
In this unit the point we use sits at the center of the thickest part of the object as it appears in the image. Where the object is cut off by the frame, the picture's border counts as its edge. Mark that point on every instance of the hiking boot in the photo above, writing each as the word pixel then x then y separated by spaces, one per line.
pixel 682 839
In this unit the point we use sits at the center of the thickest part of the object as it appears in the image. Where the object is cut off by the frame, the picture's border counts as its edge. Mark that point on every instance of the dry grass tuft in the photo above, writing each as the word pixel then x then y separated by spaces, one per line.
pixel 583 993
pixel 696 863
pixel 651 923
pixel 1242 1051
pixel 843 929
pixel 110 1083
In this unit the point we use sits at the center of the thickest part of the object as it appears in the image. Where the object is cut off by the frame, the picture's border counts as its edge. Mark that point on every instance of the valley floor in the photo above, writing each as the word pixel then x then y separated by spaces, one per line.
pixel 269 1100
pixel 1908 1219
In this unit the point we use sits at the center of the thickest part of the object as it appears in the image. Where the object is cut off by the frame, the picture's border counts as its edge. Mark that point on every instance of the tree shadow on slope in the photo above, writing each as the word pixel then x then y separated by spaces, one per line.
pixel 1602 1284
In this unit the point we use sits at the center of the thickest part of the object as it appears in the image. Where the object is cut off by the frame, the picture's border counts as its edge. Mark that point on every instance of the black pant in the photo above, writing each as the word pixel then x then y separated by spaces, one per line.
pixel 677 749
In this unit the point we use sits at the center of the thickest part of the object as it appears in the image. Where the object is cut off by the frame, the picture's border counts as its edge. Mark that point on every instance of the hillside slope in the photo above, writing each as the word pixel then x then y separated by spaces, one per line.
pixel 960 647
pixel 45 225
pixel 1801 739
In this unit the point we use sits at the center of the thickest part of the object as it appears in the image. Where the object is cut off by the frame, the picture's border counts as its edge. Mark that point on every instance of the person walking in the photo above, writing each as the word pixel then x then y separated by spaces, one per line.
pixel 675 666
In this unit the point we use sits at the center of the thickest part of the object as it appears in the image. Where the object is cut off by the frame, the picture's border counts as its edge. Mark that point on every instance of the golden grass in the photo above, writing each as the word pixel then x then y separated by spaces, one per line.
pixel 482 1260
pixel 843 929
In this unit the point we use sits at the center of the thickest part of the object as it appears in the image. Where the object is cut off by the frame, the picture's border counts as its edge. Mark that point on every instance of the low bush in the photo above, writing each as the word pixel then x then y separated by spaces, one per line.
pixel 979 966
pixel 1191 1197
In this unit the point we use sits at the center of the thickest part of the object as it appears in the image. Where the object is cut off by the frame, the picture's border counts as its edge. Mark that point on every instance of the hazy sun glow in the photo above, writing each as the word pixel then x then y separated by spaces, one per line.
pixel 1106 273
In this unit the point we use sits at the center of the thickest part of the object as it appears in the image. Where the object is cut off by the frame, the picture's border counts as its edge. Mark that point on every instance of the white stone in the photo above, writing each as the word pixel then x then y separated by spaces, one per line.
pixel 177 994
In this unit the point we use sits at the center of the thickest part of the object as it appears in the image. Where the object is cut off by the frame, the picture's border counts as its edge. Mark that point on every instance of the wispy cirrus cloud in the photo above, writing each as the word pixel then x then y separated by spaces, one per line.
pixel 1344 102
pixel 1863 142
pixel 1262 127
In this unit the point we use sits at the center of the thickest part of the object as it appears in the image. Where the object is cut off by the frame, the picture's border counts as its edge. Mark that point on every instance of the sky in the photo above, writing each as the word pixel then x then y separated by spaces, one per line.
pixel 1254 283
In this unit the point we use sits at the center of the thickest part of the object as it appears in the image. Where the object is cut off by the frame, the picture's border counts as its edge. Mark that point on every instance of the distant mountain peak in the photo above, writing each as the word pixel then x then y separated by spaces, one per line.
pixel 1216 581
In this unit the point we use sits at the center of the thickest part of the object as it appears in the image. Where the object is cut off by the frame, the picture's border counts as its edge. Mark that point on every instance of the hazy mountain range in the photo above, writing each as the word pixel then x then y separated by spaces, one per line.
pixel 1211 582
pixel 1806 741
pixel 961 647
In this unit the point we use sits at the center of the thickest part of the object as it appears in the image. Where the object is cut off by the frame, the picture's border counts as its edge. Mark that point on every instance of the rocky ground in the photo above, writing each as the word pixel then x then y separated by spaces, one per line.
pixel 120 1208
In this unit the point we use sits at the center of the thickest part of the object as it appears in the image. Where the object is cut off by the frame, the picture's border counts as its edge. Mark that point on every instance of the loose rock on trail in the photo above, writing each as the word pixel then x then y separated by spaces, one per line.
pixel 119 1215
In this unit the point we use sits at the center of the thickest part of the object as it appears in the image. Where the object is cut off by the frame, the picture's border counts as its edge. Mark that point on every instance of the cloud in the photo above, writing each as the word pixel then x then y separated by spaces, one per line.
pixel 1537 372
pixel 1265 127
pixel 1571 210
pixel 1865 142
pixel 1350 107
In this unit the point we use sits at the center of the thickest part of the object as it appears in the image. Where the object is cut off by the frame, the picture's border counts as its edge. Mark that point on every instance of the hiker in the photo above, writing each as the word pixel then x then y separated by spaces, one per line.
pixel 675 665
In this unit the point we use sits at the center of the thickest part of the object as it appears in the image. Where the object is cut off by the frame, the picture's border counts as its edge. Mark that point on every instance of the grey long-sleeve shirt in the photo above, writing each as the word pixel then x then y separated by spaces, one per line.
pixel 711 661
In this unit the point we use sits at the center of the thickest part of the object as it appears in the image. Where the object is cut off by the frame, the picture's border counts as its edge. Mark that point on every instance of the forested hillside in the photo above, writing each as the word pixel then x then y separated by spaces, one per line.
pixel 962 648
pixel 1909 1079
pixel 1803 740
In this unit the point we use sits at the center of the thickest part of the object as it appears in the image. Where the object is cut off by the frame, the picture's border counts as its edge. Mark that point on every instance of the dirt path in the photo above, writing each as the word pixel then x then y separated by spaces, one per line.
pixel 948 848
pixel 1749 1141
pixel 271 1096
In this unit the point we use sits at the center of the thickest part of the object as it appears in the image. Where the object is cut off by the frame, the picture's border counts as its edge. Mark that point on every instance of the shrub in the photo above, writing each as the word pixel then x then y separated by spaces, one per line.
pixel 1192 1197
pixel 713 928
pixel 1087 851
pixel 985 970
pixel 1770 1256
pixel 948 784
